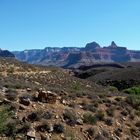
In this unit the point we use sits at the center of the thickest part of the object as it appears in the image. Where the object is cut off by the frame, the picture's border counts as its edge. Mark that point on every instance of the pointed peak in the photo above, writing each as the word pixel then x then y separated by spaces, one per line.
pixel 113 45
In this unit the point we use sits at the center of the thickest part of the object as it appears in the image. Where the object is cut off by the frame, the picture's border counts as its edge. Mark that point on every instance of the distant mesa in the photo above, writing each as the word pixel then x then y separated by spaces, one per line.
pixel 71 57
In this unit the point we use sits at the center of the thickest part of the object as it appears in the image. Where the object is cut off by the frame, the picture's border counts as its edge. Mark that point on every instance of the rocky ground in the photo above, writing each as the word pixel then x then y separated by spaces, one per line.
pixel 48 103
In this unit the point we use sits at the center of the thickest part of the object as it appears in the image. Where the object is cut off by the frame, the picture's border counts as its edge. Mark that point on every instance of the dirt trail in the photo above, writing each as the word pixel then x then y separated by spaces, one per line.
pixel 4 73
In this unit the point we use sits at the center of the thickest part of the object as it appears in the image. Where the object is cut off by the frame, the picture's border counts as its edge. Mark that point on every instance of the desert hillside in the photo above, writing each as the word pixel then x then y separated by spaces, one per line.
pixel 49 103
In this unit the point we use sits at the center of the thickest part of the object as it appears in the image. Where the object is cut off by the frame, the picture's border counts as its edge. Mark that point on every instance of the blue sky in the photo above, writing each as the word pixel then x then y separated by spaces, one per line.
pixel 28 24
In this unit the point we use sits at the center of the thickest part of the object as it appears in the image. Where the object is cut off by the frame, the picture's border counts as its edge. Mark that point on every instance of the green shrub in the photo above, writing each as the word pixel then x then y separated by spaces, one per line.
pixel 137 112
pixel 109 122
pixel 10 130
pixel 76 86
pixel 100 115
pixel 113 89
pixel 134 101
pixel 89 107
pixel 5 113
pixel 43 127
pixel 69 134
pixel 110 111
pixel 91 131
pixel 70 117
pixel 24 128
pixel 89 118
pixel 58 128
pixel 10 69
pixel 133 90
pixel 34 116
pixel 47 115
pixel 11 95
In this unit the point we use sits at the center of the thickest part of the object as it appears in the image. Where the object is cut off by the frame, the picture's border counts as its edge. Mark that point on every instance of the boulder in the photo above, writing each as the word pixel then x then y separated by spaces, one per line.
pixel 64 102
pixel 51 98
pixel 6 102
pixel 31 135
pixel 29 89
pixel 4 89
pixel 47 97
pixel 24 101
pixel 57 117
pixel 51 128
pixel 44 136
pixel 42 95
pixel 79 121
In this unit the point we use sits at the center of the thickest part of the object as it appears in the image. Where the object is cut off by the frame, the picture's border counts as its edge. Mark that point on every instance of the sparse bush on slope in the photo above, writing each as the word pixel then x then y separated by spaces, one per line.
pixel 134 98
pixel 134 101
pixel 5 113
pixel 89 118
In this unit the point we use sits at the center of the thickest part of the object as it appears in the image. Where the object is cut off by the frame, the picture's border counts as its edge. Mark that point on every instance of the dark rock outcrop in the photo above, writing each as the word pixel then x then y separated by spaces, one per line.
pixel 24 100
pixel 6 53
